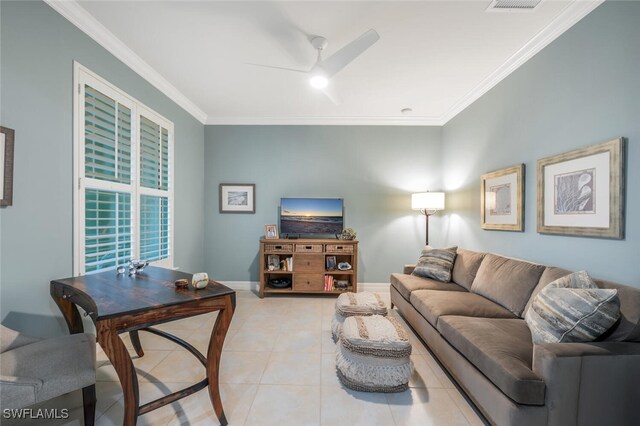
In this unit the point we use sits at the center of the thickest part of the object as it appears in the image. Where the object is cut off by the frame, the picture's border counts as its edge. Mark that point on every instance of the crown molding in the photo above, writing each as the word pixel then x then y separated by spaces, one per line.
pixel 324 121
pixel 82 19
pixel 573 13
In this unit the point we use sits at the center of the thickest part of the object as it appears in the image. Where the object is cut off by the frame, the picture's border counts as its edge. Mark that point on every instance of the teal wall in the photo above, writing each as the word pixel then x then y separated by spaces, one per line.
pixel 374 169
pixel 38 47
pixel 582 89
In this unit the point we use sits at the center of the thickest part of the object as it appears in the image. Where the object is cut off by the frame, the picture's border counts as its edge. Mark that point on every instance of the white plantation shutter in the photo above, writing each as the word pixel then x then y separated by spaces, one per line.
pixel 107 127
pixel 154 227
pixel 123 166
pixel 107 229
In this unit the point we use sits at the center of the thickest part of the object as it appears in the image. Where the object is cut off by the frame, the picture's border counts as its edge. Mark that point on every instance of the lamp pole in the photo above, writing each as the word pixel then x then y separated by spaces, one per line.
pixel 426 221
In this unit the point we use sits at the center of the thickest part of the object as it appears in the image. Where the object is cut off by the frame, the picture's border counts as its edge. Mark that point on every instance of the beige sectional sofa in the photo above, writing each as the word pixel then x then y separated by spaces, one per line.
pixel 474 325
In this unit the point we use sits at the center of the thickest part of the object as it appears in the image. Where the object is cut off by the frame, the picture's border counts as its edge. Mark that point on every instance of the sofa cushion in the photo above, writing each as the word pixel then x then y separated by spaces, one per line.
pixel 501 349
pixel 436 263
pixel 432 304
pixel 508 282
pixel 466 267
pixel 405 284
pixel 627 329
pixel 572 309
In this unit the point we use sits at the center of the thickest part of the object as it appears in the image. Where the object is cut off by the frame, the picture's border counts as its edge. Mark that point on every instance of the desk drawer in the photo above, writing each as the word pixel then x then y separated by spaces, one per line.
pixel 308 282
pixel 308 263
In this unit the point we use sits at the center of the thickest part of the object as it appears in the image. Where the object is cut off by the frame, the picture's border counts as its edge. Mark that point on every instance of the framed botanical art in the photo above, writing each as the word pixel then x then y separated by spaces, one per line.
pixel 6 165
pixel 237 198
pixel 581 192
pixel 502 199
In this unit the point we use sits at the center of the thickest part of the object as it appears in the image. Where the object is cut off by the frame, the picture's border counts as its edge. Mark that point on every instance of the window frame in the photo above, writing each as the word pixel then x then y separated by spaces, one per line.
pixel 82 76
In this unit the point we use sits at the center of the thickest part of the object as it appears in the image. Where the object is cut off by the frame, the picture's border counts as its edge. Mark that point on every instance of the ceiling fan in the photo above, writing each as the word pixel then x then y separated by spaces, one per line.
pixel 324 69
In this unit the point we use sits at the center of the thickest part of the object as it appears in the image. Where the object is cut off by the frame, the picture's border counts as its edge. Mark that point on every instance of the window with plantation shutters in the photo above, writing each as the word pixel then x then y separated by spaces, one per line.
pixel 123 200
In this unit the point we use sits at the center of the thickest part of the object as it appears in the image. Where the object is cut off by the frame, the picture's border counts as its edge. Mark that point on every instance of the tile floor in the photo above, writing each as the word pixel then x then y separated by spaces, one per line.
pixel 277 368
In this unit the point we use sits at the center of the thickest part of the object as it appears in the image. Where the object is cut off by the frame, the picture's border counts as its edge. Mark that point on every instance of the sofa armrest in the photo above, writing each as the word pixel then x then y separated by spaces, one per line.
pixel 590 383
pixel 408 269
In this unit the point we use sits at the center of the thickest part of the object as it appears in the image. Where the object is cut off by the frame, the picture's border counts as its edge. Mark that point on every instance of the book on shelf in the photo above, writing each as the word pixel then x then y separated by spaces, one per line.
pixel 329 283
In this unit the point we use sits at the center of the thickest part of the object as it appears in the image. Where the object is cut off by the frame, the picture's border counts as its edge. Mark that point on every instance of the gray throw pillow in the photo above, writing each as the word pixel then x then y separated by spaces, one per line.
pixel 572 309
pixel 436 263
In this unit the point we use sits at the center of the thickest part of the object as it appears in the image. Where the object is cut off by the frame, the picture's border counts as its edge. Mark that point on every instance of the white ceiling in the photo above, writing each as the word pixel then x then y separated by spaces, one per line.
pixel 435 57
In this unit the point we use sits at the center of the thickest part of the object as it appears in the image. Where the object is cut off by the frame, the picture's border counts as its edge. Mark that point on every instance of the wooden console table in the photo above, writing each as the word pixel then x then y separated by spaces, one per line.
pixel 304 263
pixel 120 303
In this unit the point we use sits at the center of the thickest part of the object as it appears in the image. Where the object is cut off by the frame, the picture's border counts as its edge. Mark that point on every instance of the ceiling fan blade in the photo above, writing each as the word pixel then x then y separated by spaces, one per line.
pixel 332 95
pixel 277 68
pixel 351 51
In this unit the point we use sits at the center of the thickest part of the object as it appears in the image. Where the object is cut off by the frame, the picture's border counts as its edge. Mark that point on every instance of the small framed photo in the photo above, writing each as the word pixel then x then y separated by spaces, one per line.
pixel 581 192
pixel 271 232
pixel 6 166
pixel 273 262
pixel 502 199
pixel 331 263
pixel 237 198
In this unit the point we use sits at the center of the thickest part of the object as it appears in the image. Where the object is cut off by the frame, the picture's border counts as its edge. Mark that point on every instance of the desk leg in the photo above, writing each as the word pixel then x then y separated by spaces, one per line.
pixel 119 356
pixel 70 313
pixel 135 341
pixel 213 356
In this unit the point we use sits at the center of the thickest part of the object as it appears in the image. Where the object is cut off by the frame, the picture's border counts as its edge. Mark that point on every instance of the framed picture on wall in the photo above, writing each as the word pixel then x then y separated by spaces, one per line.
pixel 581 192
pixel 6 166
pixel 237 198
pixel 502 199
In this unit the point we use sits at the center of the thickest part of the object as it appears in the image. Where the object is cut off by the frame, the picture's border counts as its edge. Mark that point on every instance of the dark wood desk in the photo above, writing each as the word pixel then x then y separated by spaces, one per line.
pixel 120 303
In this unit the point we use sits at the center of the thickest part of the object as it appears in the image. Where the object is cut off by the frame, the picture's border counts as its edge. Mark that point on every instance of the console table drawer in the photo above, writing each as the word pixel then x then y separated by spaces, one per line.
pixel 308 282
pixel 308 263
pixel 340 248
pixel 309 248
pixel 278 248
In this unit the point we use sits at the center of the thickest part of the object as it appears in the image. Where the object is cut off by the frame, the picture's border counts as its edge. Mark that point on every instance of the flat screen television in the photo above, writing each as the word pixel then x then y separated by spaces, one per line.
pixel 311 216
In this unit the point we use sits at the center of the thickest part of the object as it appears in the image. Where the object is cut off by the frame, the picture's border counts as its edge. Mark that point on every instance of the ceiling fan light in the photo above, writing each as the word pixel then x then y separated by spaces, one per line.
pixel 319 81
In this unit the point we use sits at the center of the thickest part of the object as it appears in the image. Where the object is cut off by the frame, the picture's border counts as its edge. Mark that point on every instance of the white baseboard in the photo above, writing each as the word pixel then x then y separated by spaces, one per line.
pixel 254 285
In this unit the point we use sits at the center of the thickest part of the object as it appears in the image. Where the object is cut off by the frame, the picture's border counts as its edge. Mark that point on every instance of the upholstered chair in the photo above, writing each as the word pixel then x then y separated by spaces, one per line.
pixel 35 370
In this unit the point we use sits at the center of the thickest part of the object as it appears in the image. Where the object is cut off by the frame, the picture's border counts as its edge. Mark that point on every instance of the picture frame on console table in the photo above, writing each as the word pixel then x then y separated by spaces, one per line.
pixel 502 199
pixel 237 198
pixel 581 192
pixel 271 232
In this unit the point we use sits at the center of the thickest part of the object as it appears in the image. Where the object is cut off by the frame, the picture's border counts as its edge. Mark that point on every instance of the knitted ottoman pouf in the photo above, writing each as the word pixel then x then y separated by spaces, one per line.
pixel 350 304
pixel 373 354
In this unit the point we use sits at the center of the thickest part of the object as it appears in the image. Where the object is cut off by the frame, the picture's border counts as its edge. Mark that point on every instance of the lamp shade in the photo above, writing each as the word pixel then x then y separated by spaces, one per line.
pixel 427 201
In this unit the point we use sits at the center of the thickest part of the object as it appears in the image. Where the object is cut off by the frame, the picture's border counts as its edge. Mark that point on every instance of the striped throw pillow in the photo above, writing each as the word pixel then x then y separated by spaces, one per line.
pixel 436 263
pixel 572 309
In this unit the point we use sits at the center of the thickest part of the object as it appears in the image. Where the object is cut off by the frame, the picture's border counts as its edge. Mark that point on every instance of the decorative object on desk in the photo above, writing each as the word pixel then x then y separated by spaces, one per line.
pixel 271 232
pixel 237 198
pixel 273 262
pixel 502 199
pixel 136 266
pixel 344 266
pixel 200 280
pixel 7 137
pixel 581 192
pixel 282 282
pixel 181 283
pixel 331 263
pixel 347 234
pixel 428 203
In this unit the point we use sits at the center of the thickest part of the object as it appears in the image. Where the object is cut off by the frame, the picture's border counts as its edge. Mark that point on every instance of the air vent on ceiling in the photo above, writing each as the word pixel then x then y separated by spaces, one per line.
pixel 507 5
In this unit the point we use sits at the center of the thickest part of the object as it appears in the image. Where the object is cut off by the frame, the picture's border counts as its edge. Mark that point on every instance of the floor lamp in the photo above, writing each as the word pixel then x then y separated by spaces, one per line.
pixel 428 203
